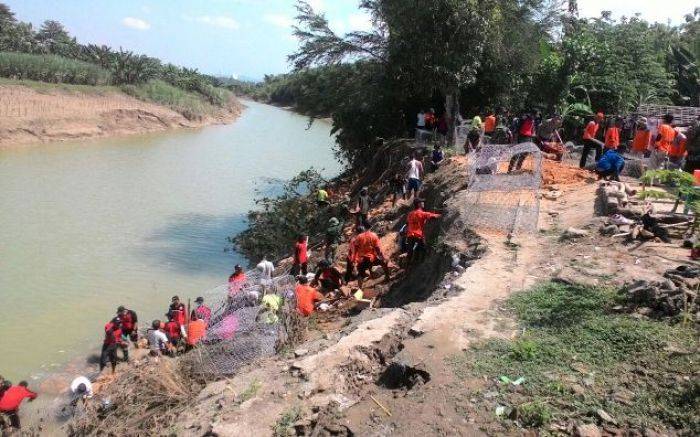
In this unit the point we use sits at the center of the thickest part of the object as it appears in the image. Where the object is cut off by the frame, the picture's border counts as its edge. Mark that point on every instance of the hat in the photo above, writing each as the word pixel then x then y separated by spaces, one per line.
pixel 334 221
pixel 175 298
pixel 642 120
pixel 200 299
pixel 121 308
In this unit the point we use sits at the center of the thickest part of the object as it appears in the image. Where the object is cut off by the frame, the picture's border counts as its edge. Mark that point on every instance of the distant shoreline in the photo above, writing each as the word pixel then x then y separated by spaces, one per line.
pixel 31 114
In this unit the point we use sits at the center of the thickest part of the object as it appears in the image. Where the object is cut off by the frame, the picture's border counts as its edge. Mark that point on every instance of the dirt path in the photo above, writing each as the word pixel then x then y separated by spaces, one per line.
pixel 29 116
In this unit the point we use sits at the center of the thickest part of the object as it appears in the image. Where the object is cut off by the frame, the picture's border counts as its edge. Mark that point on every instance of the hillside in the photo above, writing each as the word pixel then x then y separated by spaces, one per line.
pixel 33 112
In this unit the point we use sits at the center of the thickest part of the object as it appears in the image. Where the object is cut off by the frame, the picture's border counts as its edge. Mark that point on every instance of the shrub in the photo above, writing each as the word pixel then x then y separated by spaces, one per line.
pixel 191 105
pixel 51 68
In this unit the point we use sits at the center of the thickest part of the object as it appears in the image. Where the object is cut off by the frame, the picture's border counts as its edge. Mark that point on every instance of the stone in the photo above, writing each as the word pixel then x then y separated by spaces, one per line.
pixel 575 233
pixel 587 430
pixel 604 416
pixel 300 352
pixel 578 390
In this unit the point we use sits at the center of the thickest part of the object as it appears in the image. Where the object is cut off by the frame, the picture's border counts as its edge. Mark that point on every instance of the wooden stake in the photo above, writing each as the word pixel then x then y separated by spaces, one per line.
pixel 388 413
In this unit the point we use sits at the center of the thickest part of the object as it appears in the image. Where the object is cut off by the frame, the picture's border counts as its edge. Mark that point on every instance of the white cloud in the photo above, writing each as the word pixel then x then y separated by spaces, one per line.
pixel 136 23
pixel 218 21
pixel 360 21
pixel 279 20
pixel 317 5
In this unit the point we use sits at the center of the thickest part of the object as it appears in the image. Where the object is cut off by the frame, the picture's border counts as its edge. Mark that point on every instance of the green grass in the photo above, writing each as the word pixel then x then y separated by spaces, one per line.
pixel 285 422
pixel 250 392
pixel 45 87
pixel 572 339
pixel 191 105
pixel 51 68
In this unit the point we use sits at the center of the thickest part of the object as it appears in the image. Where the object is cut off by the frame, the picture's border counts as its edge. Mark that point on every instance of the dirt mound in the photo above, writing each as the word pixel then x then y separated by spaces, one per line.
pixel 557 173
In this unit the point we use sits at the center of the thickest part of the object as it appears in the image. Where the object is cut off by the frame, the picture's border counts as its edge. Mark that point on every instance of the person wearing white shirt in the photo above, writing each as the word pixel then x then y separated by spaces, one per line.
pixel 266 269
pixel 81 389
pixel 415 172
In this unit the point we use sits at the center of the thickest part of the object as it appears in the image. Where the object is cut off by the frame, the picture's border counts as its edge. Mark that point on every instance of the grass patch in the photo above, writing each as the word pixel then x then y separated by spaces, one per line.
pixel 578 357
pixel 192 106
pixel 283 427
pixel 45 87
pixel 51 68
pixel 250 392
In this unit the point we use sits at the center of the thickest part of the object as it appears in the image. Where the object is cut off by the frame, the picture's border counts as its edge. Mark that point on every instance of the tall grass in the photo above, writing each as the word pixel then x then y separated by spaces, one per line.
pixel 51 68
pixel 191 105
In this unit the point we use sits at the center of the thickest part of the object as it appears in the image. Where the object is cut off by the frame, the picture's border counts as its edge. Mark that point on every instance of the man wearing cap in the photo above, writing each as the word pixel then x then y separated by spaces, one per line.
pixel 415 236
pixel 334 233
pixel 589 139
pixel 81 389
pixel 202 311
pixel 130 328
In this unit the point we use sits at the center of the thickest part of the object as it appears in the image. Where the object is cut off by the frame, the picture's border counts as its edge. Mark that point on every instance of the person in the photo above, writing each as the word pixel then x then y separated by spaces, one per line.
pixel 112 341
pixel 81 390
pixel 677 152
pixel 612 135
pixel 4 385
pixel 610 165
pixel 196 330
pixel 334 234
pixel 490 124
pixel 365 253
pixel 130 328
pixel 430 119
pixel 12 399
pixel 202 311
pixel 328 277
pixel 437 157
pixel 306 297
pixel 322 197
pixel 173 330
pixel 158 342
pixel 692 159
pixel 301 258
pixel 477 123
pixel 266 269
pixel 364 202
pixel 235 281
pixel 270 306
pixel 420 124
pixel 547 130
pixel 589 140
pixel 442 127
pixel 502 135
pixel 473 139
pixel 178 311
pixel 415 173
pixel 526 130
pixel 415 236
pixel 663 143
pixel 397 188
pixel 642 138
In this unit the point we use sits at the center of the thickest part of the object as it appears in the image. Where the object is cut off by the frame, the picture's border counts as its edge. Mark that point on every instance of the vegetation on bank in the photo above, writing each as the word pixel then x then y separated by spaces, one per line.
pixel 50 54
pixel 578 357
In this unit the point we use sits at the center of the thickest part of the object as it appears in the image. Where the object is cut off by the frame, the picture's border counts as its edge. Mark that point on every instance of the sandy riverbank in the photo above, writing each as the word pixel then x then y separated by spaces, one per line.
pixel 57 114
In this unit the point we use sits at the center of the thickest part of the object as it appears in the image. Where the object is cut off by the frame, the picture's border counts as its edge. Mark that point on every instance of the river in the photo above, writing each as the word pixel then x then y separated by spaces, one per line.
pixel 88 226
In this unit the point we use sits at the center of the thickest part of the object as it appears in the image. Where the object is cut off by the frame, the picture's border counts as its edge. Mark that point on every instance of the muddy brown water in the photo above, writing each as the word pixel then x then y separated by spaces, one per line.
pixel 87 226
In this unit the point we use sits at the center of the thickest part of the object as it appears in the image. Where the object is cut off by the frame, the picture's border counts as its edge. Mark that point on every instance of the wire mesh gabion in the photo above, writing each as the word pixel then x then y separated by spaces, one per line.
pixel 242 329
pixel 502 195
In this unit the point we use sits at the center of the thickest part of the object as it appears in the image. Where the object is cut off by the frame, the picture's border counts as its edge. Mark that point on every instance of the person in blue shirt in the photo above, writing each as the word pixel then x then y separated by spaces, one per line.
pixel 610 165
pixel 437 157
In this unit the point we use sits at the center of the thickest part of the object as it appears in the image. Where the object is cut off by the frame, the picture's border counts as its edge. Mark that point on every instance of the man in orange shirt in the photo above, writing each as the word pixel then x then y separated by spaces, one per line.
pixel 589 140
pixel 365 253
pixel 677 151
pixel 642 138
pixel 196 330
pixel 490 124
pixel 306 297
pixel 415 225
pixel 663 143
pixel 612 135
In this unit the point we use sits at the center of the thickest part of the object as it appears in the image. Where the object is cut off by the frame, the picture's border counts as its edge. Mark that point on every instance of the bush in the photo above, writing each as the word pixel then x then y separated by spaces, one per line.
pixel 191 105
pixel 51 68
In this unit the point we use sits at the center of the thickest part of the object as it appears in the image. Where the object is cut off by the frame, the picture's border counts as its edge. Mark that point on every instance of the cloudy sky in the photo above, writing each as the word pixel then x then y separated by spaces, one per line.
pixel 245 38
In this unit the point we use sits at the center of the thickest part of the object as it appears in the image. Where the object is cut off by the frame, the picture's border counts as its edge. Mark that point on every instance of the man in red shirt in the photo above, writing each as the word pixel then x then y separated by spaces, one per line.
pixel 130 328
pixel 589 140
pixel 301 258
pixel 328 277
pixel 365 253
pixel 113 340
pixel 12 399
pixel 415 237
pixel 173 331
pixel 306 297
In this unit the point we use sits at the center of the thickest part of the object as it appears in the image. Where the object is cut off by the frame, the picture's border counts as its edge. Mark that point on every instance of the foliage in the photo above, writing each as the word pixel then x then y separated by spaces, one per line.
pixel 285 422
pixel 278 221
pixel 193 106
pixel 68 61
pixel 51 68
pixel 574 340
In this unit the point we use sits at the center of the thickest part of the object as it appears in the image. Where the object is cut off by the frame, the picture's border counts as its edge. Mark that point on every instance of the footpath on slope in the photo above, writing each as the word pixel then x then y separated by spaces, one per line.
pixel 56 114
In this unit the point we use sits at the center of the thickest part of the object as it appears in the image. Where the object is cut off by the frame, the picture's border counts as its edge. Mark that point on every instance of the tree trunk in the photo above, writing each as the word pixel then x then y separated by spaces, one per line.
pixel 450 108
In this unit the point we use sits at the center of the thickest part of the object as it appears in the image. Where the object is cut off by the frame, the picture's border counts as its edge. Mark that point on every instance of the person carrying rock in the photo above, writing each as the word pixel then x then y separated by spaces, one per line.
pixel 112 341
pixel 328 277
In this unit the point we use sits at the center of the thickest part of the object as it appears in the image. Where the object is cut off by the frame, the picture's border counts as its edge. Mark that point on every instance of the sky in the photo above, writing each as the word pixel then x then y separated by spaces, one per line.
pixel 241 38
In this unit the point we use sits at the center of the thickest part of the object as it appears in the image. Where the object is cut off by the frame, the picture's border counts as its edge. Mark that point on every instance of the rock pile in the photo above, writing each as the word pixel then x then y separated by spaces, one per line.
pixel 674 295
